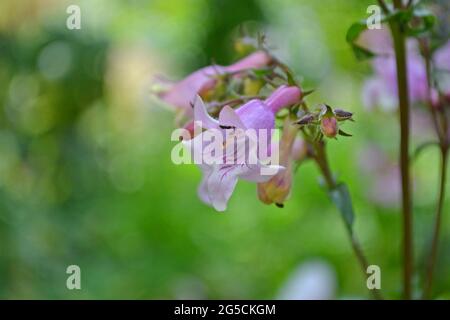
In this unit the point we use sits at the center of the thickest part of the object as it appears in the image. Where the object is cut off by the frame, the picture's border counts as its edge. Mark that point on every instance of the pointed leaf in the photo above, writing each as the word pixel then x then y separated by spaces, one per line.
pixel 342 200
pixel 344 134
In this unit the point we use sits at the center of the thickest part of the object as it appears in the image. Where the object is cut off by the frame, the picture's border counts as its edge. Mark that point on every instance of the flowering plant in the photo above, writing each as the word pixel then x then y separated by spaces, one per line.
pixel 258 93
pixel 411 62
pixel 229 115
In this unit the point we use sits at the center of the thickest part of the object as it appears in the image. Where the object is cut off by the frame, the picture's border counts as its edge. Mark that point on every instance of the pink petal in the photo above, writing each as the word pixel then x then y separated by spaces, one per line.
pixel 203 187
pixel 256 115
pixel 183 93
pixel 255 60
pixel 229 118
pixel 221 184
pixel 442 57
pixel 378 41
pixel 202 115
pixel 283 97
pixel 255 173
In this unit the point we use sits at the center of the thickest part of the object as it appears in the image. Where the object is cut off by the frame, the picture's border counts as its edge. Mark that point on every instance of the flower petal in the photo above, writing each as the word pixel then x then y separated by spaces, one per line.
pixel 255 60
pixel 256 115
pixel 229 118
pixel 221 184
pixel 202 115
pixel 283 97
pixel 182 94
pixel 261 173
pixel 203 187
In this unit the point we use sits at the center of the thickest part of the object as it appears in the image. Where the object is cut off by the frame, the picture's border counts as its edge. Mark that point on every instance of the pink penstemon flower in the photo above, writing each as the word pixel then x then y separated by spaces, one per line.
pixel 220 178
pixel 181 94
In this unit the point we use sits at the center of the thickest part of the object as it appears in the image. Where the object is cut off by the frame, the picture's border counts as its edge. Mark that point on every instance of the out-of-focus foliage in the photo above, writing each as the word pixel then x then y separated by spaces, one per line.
pixel 85 170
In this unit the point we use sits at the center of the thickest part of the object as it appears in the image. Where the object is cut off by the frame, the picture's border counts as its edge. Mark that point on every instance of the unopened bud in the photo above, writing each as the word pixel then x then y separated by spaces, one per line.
pixel 329 127
pixel 278 188
pixel 306 119
pixel 343 115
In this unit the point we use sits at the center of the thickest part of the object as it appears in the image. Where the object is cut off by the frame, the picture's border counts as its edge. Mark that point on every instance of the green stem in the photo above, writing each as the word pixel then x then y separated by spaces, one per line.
pixel 402 83
pixel 322 162
pixel 437 226
pixel 383 6
pixel 441 131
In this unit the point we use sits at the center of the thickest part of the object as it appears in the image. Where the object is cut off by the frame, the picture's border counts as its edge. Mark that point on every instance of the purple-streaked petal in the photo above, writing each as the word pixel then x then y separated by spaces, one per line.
pixel 221 184
pixel 203 187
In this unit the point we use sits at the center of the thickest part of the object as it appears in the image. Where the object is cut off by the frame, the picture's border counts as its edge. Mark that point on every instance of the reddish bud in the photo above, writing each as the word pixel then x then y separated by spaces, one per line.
pixel 329 127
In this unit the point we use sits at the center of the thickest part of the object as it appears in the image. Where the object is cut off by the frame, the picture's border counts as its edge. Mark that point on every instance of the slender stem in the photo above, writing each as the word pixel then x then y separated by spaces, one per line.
pixel 322 162
pixel 383 6
pixel 437 226
pixel 402 83
pixel 434 115
pixel 441 133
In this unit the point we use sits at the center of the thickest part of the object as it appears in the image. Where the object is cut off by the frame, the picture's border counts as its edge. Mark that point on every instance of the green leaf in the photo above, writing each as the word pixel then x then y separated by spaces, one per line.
pixel 422 19
pixel 362 53
pixel 344 134
pixel 342 200
pixel 352 36
pixel 290 78
pixel 259 73
pixel 355 30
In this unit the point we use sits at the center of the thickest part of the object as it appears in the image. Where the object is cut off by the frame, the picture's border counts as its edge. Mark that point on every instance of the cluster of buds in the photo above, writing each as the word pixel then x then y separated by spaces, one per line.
pixel 327 119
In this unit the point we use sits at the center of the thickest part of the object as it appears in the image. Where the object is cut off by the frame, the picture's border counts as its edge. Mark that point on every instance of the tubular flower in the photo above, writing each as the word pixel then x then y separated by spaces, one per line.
pixel 181 95
pixel 220 176
pixel 278 188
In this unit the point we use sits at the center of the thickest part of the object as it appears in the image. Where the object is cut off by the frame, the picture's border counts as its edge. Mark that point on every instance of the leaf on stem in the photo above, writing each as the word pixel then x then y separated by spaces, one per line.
pixel 344 134
pixel 342 200
pixel 352 36
pixel 414 21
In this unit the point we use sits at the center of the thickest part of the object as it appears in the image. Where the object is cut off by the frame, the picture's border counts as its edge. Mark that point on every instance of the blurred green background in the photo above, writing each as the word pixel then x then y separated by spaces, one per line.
pixel 86 176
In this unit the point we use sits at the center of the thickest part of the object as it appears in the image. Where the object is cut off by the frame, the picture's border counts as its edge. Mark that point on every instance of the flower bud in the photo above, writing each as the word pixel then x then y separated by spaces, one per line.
pixel 342 115
pixel 329 127
pixel 278 188
pixel 306 119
